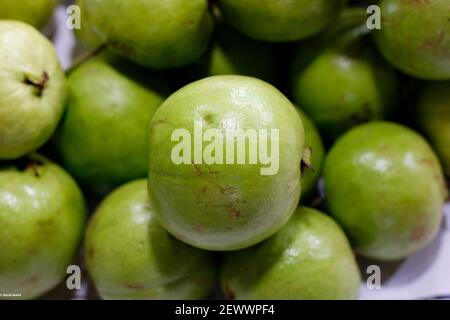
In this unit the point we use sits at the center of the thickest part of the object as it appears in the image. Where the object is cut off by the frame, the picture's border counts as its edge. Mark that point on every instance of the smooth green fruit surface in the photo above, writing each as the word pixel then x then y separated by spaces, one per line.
pixel 102 138
pixel 308 259
pixel 42 217
pixel 32 89
pixel 280 20
pixel 434 118
pixel 87 34
pixel 156 34
pixel 342 82
pixel 385 186
pixel 130 256
pixel 224 205
pixel 311 174
pixel 415 37
pixel 34 12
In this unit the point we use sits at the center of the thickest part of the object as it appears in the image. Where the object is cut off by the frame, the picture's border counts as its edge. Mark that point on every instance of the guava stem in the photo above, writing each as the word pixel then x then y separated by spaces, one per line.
pixel 39 85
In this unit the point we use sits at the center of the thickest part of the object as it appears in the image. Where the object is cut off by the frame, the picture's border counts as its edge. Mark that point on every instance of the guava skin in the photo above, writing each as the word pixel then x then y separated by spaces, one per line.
pixel 130 256
pixel 308 259
pixel 311 175
pixel 32 91
pixel 434 118
pixel 102 138
pixel 279 20
pixel 34 12
pixel 136 34
pixel 222 206
pixel 415 37
pixel 42 218
pixel 88 35
pixel 342 85
pixel 385 186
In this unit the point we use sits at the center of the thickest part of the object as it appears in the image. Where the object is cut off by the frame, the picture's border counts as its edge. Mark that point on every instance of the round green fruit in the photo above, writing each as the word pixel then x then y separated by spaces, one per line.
pixel 385 186
pixel 42 217
pixel 434 118
pixel 156 34
pixel 308 259
pixel 415 37
pixel 213 183
pixel 34 12
pixel 313 165
pixel 280 20
pixel 130 256
pixel 343 82
pixel 32 89
pixel 102 139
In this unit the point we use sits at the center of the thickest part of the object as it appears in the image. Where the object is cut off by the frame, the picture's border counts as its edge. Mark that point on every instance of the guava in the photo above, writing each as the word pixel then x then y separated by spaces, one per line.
pixel 156 34
pixel 42 218
pixel 224 164
pixel 434 118
pixel 34 12
pixel 280 20
pixel 130 256
pixel 308 259
pixel 415 37
pixel 32 89
pixel 88 35
pixel 340 81
pixel 102 138
pixel 313 165
pixel 385 186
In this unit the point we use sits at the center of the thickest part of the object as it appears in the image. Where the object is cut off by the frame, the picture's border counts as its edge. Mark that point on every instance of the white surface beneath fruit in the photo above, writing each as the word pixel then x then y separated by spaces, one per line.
pixel 424 275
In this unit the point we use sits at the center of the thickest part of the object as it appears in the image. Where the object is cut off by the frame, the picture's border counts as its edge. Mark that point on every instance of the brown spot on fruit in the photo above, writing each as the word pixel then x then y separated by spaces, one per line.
pixel 31 281
pixel 38 84
pixel 418 232
pixel 197 170
pixel 229 293
pixel 91 252
pixel 232 211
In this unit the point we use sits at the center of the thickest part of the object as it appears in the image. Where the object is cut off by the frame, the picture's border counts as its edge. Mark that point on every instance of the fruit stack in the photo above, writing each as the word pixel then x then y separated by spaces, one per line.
pixel 199 130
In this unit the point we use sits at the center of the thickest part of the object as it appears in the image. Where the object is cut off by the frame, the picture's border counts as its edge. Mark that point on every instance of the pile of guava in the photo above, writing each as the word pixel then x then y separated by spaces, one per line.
pixel 220 148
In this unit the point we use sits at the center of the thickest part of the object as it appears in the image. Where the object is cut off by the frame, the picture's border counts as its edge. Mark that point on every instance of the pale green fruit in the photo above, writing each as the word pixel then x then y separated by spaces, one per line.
pixel 154 33
pixel 34 12
pixel 42 217
pixel 130 256
pixel 32 89
pixel 433 116
pixel 280 20
pixel 308 259
pixel 385 186
pixel 211 204
pixel 102 139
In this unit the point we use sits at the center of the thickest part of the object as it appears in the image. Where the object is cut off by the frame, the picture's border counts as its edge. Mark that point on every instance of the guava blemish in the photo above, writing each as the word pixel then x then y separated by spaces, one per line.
pixel 228 191
pixel 199 228
pixel 418 232
pixel 120 46
pixel 135 286
pixel 207 119
pixel 91 252
pixel 234 213
pixel 229 293
pixel 38 84
pixel 436 44
pixel 28 164
pixel 32 281
pixel 197 170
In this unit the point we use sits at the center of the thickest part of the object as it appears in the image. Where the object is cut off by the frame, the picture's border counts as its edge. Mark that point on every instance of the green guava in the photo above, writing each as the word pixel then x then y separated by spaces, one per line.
pixel 34 12
pixel 340 81
pixel 280 20
pixel 415 37
pixel 42 218
pixel 385 186
pixel 313 166
pixel 102 138
pixel 308 259
pixel 130 256
pixel 224 164
pixel 434 118
pixel 156 34
pixel 88 35
pixel 32 89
